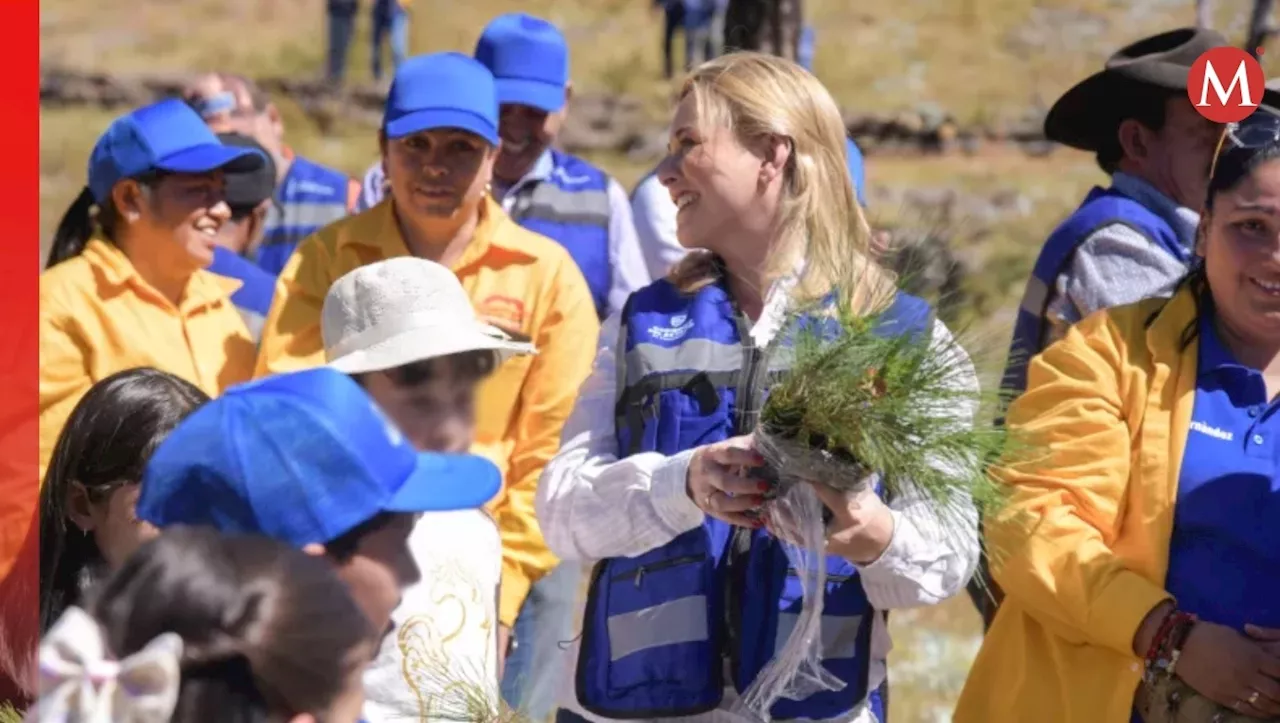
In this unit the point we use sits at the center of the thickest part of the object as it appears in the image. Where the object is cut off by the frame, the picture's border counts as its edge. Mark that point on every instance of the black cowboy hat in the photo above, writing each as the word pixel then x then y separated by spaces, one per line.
pixel 1084 114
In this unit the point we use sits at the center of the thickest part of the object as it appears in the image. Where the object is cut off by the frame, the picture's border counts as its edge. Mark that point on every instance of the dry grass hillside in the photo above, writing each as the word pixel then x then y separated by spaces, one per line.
pixel 979 60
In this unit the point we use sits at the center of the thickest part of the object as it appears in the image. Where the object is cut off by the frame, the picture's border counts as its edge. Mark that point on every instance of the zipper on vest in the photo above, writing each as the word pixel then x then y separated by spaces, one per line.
pixel 639 573
pixel 747 405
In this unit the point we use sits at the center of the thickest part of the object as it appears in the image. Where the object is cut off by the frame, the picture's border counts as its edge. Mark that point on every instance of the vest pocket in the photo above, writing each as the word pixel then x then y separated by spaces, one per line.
pixel 648 646
pixel 845 633
pixel 685 422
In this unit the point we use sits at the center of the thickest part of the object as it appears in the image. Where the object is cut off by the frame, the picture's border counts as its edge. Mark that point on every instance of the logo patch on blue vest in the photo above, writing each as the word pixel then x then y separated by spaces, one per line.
pixel 679 327
pixel 313 187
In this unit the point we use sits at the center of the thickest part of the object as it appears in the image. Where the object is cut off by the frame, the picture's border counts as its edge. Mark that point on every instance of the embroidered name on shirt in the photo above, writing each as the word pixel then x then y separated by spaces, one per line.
pixel 312 187
pixel 1214 432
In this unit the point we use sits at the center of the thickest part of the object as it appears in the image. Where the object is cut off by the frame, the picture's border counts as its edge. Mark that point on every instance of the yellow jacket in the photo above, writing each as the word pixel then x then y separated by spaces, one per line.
pixel 520 281
pixel 1112 401
pixel 98 317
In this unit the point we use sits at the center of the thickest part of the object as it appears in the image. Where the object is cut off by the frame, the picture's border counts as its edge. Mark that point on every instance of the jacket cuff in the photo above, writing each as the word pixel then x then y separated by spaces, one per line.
pixel 515 588
pixel 1114 617
pixel 669 491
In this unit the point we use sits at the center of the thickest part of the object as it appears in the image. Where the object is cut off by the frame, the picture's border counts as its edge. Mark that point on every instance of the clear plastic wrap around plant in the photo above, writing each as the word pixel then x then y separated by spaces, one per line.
pixel 795 515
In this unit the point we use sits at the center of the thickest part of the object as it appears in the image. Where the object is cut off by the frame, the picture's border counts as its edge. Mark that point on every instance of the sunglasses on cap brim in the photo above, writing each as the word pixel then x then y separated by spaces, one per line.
pixel 1259 130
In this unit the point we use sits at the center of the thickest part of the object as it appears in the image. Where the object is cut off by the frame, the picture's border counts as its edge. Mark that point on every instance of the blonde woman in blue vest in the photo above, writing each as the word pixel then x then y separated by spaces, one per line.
pixel 1150 579
pixel 757 167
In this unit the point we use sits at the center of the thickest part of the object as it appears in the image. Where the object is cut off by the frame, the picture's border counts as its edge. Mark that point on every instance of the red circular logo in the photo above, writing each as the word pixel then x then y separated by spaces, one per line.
pixel 1225 85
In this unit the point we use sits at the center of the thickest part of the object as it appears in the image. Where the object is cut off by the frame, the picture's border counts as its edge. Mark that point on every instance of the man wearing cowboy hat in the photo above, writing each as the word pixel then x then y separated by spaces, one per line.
pixel 1134 239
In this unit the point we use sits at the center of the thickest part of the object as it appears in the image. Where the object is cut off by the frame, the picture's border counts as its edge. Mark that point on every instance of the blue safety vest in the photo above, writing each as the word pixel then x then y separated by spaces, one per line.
pixel 257 290
pixel 571 207
pixel 310 197
pixel 1101 208
pixel 660 627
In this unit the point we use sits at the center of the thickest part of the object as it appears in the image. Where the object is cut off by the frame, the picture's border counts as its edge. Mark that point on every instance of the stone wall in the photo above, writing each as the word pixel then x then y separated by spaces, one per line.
pixel 596 122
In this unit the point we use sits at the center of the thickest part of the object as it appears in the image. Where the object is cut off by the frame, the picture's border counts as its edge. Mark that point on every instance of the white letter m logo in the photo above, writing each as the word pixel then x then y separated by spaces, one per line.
pixel 1241 78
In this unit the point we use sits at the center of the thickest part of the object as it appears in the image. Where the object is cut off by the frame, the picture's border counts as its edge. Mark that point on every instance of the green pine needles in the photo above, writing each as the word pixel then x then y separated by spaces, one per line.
pixel 864 399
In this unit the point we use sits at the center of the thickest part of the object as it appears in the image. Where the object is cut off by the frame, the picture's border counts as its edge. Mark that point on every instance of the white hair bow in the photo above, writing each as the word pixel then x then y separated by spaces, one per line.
pixel 79 684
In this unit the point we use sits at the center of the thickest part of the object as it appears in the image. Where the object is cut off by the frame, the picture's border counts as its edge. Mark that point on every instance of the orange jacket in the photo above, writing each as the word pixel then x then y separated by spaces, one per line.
pixel 1110 406
pixel 522 282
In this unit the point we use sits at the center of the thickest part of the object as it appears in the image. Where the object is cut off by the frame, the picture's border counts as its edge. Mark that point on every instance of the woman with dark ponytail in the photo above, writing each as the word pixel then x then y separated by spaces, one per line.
pixel 126 283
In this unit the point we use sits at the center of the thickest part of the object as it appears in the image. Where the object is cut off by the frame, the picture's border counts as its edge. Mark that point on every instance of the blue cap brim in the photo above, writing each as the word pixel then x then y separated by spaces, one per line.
pixel 546 97
pixel 433 118
pixel 445 482
pixel 212 157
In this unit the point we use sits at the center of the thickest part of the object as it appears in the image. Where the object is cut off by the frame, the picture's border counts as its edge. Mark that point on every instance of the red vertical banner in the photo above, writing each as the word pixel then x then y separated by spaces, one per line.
pixel 19 349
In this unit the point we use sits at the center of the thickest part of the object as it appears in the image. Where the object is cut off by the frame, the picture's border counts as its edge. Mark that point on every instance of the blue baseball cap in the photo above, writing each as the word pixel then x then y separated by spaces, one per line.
pixel 442 90
pixel 164 136
pixel 857 171
pixel 303 458
pixel 529 59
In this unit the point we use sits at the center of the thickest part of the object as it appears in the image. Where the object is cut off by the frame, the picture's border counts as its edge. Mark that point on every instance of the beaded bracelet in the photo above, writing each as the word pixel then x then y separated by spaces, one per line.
pixel 1178 635
pixel 1166 646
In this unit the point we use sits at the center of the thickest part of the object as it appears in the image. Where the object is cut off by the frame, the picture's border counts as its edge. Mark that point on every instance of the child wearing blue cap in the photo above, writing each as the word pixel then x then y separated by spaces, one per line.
pixel 126 284
pixel 308 459
pixel 545 189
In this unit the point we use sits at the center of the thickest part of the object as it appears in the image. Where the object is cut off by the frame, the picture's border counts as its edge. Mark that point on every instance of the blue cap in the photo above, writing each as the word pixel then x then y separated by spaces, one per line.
pixel 529 59
pixel 165 136
pixel 442 90
pixel 857 172
pixel 302 458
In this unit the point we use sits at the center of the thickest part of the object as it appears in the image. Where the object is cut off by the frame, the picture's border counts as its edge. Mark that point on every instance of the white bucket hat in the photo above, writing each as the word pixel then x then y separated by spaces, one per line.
pixel 400 311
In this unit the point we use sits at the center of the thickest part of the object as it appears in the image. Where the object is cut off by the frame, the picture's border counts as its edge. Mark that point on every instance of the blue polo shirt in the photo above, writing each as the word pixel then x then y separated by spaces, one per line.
pixel 253 299
pixel 1224 557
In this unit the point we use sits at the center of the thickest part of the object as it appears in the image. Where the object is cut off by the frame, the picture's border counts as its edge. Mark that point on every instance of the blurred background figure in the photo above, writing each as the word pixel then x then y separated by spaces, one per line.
pixel 768 26
pixel 544 189
pixel 248 195
pixel 673 22
pixel 308 194
pixel 390 24
pixel 341 17
pixel 389 29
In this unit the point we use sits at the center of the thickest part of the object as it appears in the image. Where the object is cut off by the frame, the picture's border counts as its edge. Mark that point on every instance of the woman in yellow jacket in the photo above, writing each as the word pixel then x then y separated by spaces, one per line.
pixel 125 284
pixel 1141 551
pixel 439 139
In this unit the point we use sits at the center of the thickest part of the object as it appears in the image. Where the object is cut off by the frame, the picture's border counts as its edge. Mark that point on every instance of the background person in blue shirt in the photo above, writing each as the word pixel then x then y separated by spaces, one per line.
pixel 546 190
pixel 248 195
pixel 308 459
pixel 308 195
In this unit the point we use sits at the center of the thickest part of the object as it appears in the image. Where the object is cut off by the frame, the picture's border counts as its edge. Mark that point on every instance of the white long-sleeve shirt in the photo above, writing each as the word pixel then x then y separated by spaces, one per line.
pixel 592 506
pixel 655 217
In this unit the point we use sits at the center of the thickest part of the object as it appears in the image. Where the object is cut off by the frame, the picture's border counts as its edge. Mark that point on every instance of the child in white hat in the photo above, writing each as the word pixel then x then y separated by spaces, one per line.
pixel 405 330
